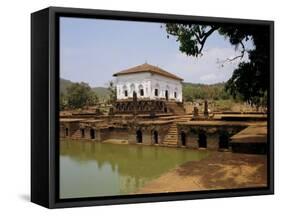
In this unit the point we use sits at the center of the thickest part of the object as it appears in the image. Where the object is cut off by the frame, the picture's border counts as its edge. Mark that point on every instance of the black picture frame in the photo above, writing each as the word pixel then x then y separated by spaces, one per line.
pixel 45 111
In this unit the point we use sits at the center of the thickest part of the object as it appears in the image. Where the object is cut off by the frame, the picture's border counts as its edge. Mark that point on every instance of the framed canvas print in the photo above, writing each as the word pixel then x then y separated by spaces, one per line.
pixel 139 107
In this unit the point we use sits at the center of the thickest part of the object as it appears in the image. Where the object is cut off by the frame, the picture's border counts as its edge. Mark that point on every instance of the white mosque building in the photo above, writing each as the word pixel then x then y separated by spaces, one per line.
pixel 149 82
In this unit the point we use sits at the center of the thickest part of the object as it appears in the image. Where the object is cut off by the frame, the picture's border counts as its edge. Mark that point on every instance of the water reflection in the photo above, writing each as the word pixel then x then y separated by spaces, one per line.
pixel 90 169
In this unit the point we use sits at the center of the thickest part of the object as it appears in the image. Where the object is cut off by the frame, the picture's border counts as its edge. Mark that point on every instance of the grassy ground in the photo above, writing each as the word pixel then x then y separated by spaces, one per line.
pixel 225 105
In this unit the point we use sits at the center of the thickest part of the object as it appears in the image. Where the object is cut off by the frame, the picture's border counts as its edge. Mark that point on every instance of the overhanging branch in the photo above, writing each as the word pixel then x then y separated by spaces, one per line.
pixel 236 57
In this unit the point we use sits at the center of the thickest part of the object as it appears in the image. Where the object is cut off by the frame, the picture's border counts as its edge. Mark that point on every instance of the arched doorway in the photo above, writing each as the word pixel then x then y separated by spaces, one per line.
pixel 156 90
pixel 139 136
pixel 132 89
pixel 167 95
pixel 202 139
pixel 224 140
pixel 155 137
pixel 176 93
pixel 66 132
pixel 125 91
pixel 92 133
pixel 82 130
pixel 141 90
pixel 183 138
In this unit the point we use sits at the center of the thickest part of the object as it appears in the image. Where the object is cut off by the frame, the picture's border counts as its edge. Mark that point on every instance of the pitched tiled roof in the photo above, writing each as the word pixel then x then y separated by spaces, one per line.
pixel 148 68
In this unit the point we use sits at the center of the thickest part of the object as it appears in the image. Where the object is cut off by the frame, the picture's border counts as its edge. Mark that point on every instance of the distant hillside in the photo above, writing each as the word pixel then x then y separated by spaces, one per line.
pixel 64 84
pixel 101 92
pixel 203 85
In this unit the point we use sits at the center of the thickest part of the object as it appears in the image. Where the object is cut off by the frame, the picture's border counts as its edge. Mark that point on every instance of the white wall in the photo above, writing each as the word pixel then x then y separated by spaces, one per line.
pixel 149 82
pixel 15 108
pixel 136 80
pixel 166 83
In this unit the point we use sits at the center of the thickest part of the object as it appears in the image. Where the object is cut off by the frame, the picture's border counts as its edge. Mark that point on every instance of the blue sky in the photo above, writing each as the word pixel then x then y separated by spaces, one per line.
pixel 91 50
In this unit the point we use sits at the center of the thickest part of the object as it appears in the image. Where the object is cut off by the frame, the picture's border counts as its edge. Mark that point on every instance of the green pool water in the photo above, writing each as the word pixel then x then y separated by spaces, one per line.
pixel 90 169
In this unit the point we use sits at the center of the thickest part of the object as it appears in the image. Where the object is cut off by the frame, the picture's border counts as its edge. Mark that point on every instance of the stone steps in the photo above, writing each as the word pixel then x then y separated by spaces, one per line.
pixel 172 136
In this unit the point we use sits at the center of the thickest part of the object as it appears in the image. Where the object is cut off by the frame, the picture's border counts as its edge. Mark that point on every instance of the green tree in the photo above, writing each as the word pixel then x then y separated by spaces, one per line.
pixel 250 80
pixel 216 91
pixel 79 95
pixel 63 101
pixel 92 99
pixel 112 92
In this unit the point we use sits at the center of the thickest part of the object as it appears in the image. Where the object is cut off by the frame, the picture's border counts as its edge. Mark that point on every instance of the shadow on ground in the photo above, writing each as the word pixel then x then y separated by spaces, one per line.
pixel 25 197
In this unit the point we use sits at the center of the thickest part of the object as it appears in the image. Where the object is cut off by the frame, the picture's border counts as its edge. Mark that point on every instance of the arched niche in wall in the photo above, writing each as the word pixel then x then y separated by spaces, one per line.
pixel 132 88
pixel 141 90
pixel 125 91
pixel 176 93
pixel 156 90
pixel 167 92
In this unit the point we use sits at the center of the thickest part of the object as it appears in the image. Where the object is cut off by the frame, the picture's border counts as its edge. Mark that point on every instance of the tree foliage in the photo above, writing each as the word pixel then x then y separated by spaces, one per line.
pixel 250 80
pixel 193 92
pixel 78 95
pixel 112 92
pixel 63 101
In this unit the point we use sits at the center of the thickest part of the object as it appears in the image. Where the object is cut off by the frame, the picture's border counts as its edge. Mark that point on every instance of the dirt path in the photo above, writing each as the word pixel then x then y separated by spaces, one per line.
pixel 220 170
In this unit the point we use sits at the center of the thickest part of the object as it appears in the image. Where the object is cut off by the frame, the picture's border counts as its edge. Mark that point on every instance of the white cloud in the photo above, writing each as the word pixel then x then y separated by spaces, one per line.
pixel 205 69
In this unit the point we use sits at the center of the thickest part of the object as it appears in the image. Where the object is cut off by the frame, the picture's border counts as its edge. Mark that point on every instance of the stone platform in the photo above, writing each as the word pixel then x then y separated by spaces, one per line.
pixel 252 139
